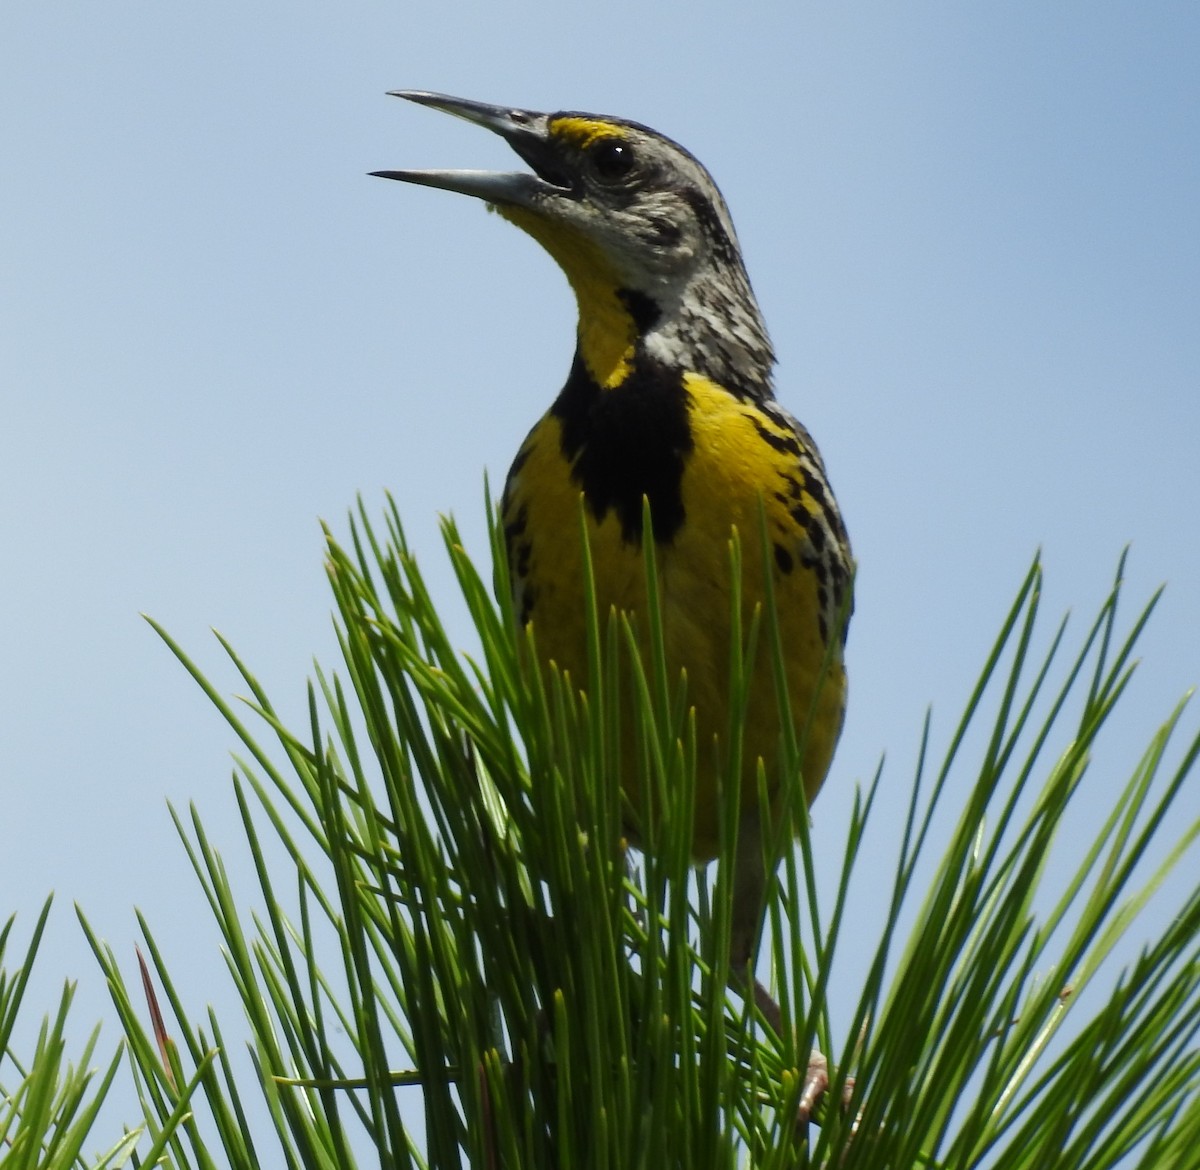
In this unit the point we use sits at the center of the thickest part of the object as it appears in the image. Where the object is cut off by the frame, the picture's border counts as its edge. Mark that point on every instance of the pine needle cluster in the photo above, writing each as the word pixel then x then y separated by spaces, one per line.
pixel 454 958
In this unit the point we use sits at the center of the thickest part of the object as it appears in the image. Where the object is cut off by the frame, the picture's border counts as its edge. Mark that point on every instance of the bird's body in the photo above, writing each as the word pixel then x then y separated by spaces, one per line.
pixel 705 460
pixel 669 399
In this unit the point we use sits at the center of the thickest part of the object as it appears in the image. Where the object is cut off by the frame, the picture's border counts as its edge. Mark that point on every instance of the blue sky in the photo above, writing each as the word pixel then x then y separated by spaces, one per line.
pixel 974 231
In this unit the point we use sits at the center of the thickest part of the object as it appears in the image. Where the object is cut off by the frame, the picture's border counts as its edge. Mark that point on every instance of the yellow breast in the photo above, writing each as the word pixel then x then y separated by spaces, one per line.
pixel 745 464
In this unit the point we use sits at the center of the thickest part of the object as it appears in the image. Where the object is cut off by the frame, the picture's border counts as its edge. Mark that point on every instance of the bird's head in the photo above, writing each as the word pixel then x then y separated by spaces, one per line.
pixel 635 222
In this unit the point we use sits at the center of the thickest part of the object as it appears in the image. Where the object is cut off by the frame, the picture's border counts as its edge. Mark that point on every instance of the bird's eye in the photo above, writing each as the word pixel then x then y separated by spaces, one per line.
pixel 612 159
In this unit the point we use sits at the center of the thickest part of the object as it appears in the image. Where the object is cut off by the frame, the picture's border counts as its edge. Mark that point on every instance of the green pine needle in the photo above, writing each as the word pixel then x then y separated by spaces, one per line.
pixel 454 959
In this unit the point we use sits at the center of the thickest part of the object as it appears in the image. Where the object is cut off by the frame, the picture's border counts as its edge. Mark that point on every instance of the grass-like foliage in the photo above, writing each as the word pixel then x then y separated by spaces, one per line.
pixel 453 957
pixel 47 1105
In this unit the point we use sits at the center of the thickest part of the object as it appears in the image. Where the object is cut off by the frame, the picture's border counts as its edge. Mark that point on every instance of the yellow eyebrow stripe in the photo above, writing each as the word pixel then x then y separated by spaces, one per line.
pixel 584 131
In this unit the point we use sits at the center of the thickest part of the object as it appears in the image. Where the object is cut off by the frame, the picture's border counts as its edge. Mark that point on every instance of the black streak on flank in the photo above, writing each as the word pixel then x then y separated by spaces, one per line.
pixel 520 461
pixel 516 526
pixel 626 443
pixel 786 444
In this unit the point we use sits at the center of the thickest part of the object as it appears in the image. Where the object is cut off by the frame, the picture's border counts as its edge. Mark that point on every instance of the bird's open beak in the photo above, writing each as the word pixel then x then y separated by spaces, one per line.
pixel 524 130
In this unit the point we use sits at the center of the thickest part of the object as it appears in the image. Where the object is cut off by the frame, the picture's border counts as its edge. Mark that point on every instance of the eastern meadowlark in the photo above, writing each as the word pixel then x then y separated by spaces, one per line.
pixel 669 399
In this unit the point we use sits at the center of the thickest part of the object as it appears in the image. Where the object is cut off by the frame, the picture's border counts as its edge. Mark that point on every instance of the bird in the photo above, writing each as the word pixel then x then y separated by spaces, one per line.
pixel 669 402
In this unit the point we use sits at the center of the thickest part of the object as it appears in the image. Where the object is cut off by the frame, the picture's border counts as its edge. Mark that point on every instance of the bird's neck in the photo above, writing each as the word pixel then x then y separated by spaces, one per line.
pixel 713 327
pixel 707 330
pixel 608 334
pixel 709 324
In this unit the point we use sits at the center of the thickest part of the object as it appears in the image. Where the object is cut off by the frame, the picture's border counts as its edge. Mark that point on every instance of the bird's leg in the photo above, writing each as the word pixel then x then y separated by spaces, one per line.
pixel 816 1079
pixel 749 889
